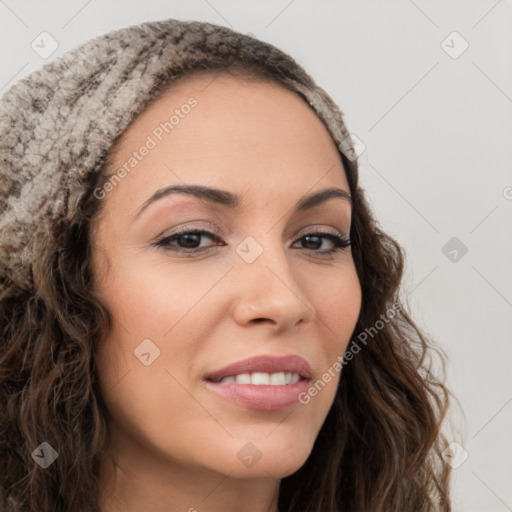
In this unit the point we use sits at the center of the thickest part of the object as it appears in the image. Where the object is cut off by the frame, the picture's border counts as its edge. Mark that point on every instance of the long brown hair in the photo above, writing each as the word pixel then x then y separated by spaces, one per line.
pixel 378 450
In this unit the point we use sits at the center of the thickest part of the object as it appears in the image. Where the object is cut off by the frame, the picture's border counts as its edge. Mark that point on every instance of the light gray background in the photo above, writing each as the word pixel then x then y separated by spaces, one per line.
pixel 437 164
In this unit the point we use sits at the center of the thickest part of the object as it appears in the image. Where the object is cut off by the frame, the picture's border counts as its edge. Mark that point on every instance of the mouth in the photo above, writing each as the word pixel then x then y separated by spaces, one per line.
pixel 266 383
pixel 263 378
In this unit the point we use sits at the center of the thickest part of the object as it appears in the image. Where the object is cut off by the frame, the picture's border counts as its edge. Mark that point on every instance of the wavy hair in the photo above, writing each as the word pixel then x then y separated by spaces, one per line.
pixel 378 450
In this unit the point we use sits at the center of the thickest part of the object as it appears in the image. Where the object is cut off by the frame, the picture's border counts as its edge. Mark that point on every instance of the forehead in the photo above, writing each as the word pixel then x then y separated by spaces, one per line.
pixel 215 129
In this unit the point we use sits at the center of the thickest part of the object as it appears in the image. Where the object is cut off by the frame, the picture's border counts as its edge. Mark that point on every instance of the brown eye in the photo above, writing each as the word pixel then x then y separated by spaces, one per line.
pixel 314 241
pixel 185 240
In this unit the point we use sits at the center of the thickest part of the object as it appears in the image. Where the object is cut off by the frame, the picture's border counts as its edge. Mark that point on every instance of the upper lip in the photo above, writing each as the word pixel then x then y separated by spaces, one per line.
pixel 265 364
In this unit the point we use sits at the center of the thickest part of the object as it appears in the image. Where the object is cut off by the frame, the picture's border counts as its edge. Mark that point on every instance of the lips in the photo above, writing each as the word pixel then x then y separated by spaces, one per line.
pixel 264 364
pixel 267 392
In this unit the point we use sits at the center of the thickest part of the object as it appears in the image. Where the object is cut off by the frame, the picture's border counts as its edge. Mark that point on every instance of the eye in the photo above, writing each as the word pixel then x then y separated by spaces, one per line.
pixel 315 240
pixel 189 241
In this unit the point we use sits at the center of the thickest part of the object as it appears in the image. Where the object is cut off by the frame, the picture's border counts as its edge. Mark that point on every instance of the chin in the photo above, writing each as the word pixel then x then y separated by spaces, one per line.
pixel 265 458
pixel 273 468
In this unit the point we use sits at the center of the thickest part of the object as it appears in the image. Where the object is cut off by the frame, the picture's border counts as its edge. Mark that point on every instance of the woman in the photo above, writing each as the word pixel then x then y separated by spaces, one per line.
pixel 198 310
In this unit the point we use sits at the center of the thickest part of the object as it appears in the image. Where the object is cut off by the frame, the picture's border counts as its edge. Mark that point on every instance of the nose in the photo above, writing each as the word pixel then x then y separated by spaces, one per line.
pixel 268 291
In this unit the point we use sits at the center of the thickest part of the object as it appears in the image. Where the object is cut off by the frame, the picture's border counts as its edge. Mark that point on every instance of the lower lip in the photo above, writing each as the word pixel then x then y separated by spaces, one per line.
pixel 264 397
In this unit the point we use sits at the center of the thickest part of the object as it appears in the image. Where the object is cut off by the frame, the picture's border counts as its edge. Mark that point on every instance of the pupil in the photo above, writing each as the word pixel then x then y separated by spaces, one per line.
pixel 315 241
pixel 192 239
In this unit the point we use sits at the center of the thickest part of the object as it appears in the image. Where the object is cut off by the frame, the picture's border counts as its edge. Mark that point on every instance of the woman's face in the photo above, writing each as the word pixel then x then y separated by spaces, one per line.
pixel 251 285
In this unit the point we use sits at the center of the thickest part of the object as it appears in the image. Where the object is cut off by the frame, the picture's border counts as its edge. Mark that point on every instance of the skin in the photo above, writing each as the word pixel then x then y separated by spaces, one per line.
pixel 175 442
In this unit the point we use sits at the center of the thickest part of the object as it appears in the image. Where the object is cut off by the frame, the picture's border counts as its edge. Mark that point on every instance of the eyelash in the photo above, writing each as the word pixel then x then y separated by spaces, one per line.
pixel 340 242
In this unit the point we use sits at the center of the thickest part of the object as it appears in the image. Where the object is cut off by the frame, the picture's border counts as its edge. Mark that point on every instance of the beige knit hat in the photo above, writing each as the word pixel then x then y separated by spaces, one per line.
pixel 58 124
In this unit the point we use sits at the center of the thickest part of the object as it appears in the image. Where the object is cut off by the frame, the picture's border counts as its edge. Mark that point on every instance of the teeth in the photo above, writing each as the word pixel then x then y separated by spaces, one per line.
pixel 243 378
pixel 278 379
pixel 261 378
pixel 295 378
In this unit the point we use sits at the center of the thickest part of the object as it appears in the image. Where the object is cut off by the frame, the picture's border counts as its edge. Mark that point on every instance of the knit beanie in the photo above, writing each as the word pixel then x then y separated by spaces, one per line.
pixel 58 124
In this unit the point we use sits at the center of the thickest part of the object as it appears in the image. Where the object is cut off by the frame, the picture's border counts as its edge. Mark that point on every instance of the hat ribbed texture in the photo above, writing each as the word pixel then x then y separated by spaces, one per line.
pixel 58 124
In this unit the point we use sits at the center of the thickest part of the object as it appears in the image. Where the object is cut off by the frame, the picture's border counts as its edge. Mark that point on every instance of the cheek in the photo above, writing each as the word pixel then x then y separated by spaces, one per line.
pixel 157 308
pixel 150 298
pixel 336 297
pixel 152 306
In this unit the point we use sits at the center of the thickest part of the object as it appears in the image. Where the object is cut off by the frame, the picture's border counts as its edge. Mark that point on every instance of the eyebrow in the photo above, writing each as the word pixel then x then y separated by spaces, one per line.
pixel 232 201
